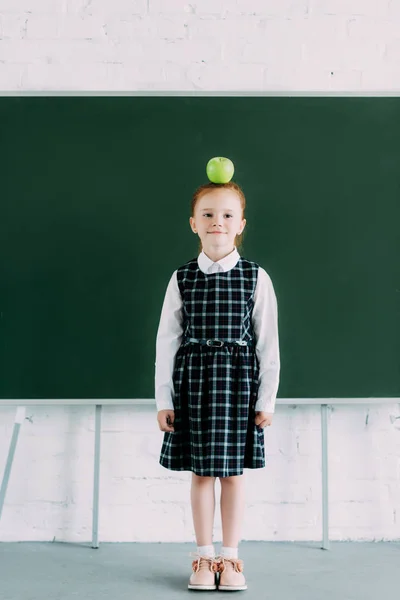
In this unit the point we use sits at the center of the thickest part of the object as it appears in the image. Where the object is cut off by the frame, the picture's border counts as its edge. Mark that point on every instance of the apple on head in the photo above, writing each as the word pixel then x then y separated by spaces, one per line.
pixel 220 169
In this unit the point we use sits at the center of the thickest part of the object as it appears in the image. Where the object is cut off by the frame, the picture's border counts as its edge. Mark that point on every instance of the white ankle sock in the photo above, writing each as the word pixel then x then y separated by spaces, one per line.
pixel 206 550
pixel 229 552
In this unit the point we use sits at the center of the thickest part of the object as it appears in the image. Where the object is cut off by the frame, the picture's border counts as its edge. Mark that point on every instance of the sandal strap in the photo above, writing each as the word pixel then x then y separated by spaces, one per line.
pixel 212 562
pixel 237 563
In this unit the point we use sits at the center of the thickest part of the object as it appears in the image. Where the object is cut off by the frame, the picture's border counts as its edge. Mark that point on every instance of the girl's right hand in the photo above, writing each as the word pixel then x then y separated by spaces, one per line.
pixel 166 419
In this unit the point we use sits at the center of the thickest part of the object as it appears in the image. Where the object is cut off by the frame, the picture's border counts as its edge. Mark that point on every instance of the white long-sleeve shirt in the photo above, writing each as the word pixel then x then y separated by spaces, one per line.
pixel 265 325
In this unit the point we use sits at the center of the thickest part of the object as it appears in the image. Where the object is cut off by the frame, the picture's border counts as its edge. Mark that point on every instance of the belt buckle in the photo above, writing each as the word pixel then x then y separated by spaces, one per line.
pixel 210 343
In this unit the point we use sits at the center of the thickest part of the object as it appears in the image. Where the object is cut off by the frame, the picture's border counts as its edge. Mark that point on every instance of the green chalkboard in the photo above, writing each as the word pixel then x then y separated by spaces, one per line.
pixel 95 200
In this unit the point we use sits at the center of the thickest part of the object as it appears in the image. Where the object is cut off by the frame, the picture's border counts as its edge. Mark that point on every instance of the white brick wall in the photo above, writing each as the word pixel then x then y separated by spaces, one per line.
pixel 238 45
pixel 51 485
pixel 127 45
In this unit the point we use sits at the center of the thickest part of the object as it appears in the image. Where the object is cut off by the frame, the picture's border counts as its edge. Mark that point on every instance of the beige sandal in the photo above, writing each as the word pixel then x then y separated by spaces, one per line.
pixel 204 576
pixel 231 574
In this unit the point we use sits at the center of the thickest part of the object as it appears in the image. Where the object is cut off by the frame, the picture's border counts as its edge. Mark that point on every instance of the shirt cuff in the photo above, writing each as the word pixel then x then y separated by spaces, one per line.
pixel 265 405
pixel 163 399
pixel 164 406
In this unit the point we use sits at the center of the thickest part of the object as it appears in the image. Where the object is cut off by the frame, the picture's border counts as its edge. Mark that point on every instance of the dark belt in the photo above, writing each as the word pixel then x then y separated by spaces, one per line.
pixel 219 343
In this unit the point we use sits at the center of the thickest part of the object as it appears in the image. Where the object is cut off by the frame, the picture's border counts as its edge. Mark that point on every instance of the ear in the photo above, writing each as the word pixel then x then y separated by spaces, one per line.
pixel 192 224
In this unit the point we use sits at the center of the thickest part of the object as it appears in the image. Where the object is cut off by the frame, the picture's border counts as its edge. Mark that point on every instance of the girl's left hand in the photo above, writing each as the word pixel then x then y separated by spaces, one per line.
pixel 263 418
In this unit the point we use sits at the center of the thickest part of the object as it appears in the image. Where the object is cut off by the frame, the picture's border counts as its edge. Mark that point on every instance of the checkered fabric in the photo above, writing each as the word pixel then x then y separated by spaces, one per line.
pixel 215 387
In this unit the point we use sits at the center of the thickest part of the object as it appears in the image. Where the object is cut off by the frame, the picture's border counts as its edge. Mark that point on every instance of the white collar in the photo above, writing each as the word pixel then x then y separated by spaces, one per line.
pixel 225 264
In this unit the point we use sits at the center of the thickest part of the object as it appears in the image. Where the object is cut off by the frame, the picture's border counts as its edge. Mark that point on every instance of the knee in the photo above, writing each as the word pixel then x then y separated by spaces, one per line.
pixel 203 479
pixel 232 480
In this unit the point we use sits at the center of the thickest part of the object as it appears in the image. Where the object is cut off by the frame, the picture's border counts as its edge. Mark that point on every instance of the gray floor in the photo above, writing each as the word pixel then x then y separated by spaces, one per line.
pixel 276 570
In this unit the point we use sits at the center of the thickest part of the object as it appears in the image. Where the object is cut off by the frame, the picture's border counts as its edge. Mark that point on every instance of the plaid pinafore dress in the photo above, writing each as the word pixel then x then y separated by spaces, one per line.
pixel 215 386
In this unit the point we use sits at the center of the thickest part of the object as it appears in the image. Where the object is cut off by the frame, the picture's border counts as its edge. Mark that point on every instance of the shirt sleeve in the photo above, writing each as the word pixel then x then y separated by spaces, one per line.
pixel 265 325
pixel 169 337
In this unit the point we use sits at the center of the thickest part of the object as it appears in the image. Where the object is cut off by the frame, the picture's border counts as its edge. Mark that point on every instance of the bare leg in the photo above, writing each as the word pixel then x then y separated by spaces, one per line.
pixel 202 495
pixel 232 509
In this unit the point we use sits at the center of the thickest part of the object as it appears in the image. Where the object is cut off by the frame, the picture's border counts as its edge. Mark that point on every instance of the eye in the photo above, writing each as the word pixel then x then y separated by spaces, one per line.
pixel 227 215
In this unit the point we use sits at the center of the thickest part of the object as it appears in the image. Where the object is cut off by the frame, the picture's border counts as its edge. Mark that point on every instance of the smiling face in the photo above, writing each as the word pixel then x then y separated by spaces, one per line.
pixel 217 220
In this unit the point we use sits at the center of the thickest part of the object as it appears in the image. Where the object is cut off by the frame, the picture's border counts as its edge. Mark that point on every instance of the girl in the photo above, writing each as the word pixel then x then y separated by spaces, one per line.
pixel 217 376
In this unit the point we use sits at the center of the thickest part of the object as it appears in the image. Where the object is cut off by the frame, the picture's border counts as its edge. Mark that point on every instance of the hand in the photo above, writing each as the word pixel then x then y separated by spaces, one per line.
pixel 166 420
pixel 263 418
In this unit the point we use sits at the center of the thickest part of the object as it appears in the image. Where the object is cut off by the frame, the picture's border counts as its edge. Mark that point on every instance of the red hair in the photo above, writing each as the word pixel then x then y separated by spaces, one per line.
pixel 231 185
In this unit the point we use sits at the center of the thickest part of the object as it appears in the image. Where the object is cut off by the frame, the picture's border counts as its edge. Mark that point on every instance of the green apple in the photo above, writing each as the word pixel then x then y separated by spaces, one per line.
pixel 220 169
